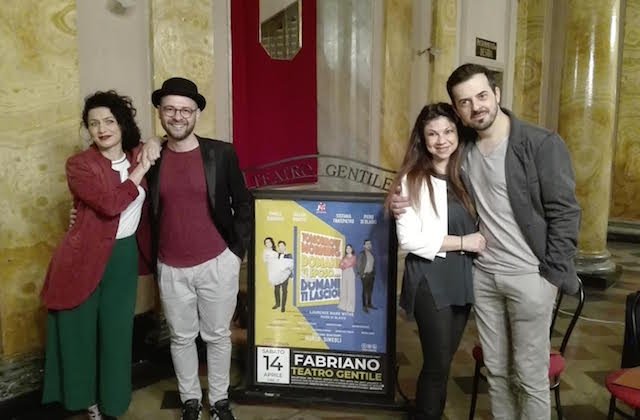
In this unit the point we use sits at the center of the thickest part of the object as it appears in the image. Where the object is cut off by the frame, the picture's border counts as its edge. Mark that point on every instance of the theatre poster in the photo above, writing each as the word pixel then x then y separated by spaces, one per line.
pixel 322 270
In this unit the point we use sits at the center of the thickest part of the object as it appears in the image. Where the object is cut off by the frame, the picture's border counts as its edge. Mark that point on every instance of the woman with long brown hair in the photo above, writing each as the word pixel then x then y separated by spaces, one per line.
pixel 439 233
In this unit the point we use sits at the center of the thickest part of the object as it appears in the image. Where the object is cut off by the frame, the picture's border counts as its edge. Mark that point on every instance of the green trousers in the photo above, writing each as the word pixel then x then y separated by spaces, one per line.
pixel 88 355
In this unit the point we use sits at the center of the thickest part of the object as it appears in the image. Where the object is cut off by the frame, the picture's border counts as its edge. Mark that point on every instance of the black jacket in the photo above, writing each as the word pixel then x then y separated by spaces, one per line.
pixel 230 203
pixel 542 192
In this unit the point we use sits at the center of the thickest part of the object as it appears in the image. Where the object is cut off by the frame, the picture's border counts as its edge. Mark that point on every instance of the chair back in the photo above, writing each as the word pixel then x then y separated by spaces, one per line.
pixel 631 345
pixel 634 321
pixel 574 317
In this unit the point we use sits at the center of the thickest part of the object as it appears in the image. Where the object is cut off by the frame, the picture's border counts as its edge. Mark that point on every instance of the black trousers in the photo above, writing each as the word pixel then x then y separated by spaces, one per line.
pixel 281 288
pixel 367 289
pixel 440 334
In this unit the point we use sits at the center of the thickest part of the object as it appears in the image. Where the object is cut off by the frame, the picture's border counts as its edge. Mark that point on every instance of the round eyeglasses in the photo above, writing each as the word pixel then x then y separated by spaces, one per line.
pixel 170 111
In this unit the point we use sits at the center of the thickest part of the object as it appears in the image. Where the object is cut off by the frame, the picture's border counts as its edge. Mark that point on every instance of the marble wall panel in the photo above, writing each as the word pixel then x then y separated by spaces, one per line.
pixel 39 129
pixel 588 111
pixel 528 62
pixel 444 33
pixel 395 126
pixel 344 51
pixel 626 168
pixel 182 42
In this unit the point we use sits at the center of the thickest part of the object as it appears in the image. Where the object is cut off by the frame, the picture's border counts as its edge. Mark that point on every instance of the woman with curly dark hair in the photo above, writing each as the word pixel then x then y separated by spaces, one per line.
pixel 90 287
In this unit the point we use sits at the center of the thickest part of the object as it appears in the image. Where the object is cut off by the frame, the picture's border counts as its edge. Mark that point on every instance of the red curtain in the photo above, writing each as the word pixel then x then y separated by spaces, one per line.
pixel 274 101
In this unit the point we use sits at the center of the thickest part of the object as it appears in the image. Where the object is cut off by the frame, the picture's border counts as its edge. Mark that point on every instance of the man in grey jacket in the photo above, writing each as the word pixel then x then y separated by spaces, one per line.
pixel 521 178
pixel 366 266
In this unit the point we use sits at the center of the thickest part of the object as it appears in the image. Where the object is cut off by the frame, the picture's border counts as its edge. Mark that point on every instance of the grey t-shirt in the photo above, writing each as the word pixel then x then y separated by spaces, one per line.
pixel 507 251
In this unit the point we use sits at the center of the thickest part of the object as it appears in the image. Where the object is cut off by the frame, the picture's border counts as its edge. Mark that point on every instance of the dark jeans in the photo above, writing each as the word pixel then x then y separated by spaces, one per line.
pixel 367 289
pixel 284 286
pixel 440 333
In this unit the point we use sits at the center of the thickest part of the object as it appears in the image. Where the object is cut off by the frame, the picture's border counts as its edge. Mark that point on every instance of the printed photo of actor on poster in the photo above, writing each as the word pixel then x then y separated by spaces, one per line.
pixel 285 262
pixel 366 265
pixel 347 301
pixel 279 270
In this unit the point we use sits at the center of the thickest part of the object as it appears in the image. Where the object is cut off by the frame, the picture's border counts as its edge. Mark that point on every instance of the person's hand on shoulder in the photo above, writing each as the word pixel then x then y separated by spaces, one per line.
pixel 144 164
pixel 399 203
pixel 150 150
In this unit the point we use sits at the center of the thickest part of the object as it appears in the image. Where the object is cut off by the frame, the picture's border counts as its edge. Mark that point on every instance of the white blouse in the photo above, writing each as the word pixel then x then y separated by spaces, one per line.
pixel 130 217
pixel 420 231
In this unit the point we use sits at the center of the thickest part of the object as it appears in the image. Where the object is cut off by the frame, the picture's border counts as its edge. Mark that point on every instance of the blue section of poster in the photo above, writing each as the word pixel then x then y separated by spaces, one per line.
pixel 357 321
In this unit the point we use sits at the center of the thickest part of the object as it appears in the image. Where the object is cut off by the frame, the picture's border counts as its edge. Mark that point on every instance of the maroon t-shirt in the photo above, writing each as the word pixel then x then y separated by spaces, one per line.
pixel 188 236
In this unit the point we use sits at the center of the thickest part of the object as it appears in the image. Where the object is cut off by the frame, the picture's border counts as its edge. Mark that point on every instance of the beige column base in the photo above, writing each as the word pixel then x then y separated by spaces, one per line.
pixel 597 270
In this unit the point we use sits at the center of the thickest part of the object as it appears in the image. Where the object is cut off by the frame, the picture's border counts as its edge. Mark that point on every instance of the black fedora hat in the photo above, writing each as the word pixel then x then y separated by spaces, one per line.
pixel 181 87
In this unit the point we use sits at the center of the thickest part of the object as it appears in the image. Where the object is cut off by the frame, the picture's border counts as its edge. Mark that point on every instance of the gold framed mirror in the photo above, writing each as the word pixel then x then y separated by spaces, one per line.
pixel 280 31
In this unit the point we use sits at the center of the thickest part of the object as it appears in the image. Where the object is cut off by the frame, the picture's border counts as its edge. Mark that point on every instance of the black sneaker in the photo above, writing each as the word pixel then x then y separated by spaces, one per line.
pixel 222 411
pixel 191 410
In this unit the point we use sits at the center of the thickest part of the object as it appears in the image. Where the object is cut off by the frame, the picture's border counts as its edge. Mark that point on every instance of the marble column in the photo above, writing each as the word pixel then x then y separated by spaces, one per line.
pixel 626 168
pixel 182 44
pixel 395 125
pixel 528 71
pixel 587 122
pixel 38 132
pixel 444 32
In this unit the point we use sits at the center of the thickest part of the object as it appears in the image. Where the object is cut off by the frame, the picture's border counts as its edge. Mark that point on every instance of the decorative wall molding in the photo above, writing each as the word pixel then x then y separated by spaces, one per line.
pixel 334 173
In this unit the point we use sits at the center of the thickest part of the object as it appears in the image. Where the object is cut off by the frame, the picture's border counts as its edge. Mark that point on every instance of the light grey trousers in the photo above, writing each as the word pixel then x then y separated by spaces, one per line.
pixel 513 316
pixel 201 299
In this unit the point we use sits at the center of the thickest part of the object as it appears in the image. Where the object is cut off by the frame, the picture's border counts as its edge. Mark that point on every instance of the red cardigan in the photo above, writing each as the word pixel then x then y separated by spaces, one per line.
pixel 79 261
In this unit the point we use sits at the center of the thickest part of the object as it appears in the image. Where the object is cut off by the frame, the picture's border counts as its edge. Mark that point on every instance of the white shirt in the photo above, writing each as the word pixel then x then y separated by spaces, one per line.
pixel 130 217
pixel 420 231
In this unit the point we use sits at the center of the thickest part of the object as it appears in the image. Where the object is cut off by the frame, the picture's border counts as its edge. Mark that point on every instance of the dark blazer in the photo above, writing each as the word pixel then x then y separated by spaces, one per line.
pixel 78 263
pixel 229 200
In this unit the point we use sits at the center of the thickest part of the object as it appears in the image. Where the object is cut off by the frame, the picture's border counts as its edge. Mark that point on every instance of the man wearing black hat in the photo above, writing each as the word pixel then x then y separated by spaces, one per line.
pixel 201 224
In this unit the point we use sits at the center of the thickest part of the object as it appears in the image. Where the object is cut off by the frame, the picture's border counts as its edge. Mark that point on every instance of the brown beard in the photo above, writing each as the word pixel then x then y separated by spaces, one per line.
pixel 188 130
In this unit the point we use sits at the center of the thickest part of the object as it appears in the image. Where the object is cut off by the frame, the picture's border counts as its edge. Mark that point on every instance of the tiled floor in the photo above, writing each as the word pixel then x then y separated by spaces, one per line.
pixel 594 351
